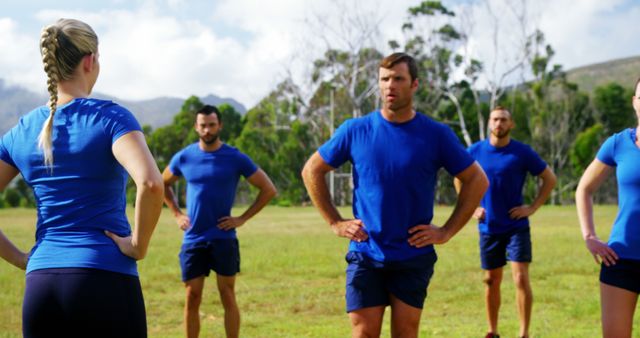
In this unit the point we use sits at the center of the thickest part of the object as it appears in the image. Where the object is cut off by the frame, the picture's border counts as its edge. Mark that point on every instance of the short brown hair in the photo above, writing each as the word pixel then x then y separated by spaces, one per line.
pixel 396 58
pixel 501 108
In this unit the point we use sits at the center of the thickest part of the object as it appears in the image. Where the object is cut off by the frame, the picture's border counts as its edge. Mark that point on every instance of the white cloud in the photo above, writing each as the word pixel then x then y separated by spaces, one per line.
pixel 151 50
pixel 20 56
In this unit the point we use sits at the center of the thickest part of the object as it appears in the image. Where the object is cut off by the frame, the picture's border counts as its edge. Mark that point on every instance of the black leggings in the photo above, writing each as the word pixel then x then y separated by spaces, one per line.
pixel 75 302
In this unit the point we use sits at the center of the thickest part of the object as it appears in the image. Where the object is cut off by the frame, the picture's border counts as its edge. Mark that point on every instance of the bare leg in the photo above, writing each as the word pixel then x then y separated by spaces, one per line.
pixel 405 319
pixel 492 281
pixel 226 288
pixel 366 322
pixel 524 296
pixel 194 289
pixel 617 306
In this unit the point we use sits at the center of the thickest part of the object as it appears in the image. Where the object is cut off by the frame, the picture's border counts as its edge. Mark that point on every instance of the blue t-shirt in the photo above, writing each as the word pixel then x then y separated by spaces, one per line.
pixel 620 151
pixel 506 168
pixel 395 167
pixel 85 193
pixel 212 179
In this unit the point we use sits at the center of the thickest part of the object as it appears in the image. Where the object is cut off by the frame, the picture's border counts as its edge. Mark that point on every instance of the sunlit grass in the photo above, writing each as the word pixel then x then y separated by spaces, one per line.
pixel 292 279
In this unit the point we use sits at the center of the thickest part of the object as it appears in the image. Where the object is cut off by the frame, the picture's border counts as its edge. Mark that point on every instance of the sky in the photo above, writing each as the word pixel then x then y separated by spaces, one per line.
pixel 243 48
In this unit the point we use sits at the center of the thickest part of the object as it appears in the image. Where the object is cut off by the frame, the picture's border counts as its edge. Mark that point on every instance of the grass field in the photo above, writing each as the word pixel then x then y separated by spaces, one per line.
pixel 292 280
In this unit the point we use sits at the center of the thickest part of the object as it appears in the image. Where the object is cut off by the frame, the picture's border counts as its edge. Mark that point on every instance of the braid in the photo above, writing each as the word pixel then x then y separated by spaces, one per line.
pixel 48 47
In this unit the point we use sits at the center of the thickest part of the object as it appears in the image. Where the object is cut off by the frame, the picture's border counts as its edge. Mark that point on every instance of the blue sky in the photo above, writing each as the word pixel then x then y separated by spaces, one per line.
pixel 243 48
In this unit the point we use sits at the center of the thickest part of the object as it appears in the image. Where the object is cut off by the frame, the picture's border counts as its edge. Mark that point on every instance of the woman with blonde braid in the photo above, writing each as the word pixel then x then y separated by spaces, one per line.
pixel 75 153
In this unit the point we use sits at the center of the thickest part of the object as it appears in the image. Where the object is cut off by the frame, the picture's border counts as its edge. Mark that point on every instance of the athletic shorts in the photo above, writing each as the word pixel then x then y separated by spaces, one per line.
pixel 370 282
pixel 496 249
pixel 77 302
pixel 625 274
pixel 219 255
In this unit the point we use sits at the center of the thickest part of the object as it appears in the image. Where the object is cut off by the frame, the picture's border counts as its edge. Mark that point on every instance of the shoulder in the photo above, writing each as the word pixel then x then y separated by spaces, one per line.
pixel 361 122
pixel 477 146
pixel 617 137
pixel 230 150
pixel 106 107
pixel 521 146
pixel 429 124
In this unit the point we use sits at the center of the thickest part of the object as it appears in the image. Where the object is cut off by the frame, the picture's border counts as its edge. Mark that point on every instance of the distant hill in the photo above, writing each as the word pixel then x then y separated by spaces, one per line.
pixel 623 71
pixel 16 101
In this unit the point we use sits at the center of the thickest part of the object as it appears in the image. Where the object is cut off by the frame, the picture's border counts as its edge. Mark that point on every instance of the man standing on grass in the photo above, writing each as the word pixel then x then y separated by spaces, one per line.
pixel 396 154
pixel 212 170
pixel 503 222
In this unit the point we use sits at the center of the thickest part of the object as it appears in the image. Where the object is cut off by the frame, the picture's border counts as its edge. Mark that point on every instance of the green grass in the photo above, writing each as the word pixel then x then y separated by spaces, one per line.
pixel 292 280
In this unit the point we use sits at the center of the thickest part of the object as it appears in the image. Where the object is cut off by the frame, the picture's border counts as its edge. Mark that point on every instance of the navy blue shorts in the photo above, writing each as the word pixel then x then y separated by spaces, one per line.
pixel 219 255
pixel 370 282
pixel 625 274
pixel 496 249
pixel 75 302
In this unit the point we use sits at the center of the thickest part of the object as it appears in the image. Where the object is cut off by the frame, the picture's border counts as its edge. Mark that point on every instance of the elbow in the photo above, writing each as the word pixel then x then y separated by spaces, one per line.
pixel 153 185
pixel 483 182
pixel 272 192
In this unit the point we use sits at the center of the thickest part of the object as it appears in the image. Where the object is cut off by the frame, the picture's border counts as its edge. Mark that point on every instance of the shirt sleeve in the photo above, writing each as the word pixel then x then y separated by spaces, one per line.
pixel 535 165
pixel 606 154
pixel 246 165
pixel 337 150
pixel 6 143
pixel 174 165
pixel 454 156
pixel 118 121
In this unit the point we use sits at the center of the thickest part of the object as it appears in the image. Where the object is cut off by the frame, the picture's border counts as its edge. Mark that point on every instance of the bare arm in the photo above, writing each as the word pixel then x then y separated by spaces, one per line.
pixel 313 175
pixel 473 184
pixel 479 213
pixel 171 200
pixel 8 251
pixel 132 153
pixel 548 183
pixel 590 181
pixel 268 191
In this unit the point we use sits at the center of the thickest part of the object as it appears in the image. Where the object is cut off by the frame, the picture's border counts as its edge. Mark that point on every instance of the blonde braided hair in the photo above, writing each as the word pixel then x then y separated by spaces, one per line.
pixel 62 45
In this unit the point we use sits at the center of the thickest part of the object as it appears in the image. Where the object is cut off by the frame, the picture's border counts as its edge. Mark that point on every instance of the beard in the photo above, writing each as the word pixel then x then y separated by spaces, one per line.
pixel 501 134
pixel 209 139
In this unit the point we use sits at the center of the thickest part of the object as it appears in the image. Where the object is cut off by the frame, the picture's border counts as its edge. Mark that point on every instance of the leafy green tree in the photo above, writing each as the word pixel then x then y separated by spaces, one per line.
pixel 613 107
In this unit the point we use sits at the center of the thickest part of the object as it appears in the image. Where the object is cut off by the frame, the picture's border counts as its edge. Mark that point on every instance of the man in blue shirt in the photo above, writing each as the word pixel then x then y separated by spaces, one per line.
pixel 503 222
pixel 212 170
pixel 396 154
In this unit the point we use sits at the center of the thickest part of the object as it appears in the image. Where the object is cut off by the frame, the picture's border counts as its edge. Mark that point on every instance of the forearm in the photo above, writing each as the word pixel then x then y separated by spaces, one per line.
pixel 171 201
pixel 543 193
pixel 584 205
pixel 10 253
pixel 264 196
pixel 469 197
pixel 147 212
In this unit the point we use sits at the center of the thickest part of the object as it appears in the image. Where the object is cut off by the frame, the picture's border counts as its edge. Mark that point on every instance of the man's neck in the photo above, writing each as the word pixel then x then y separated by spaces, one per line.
pixel 499 142
pixel 210 147
pixel 398 116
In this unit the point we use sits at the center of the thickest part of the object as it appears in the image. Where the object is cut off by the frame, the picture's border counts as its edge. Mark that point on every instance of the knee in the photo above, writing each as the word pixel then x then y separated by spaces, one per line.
pixel 227 295
pixel 362 329
pixel 193 298
pixel 491 281
pixel 521 280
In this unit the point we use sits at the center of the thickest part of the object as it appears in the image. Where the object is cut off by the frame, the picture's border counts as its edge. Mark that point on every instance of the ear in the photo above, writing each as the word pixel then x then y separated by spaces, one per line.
pixel 88 62
pixel 414 85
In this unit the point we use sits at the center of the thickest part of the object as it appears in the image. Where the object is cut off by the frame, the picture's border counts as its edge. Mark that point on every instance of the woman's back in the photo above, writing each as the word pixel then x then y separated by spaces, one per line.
pixel 83 193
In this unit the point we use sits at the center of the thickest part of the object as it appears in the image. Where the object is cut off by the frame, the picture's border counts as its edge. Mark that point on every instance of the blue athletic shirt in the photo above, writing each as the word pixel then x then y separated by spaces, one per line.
pixel 395 168
pixel 620 151
pixel 506 168
pixel 85 193
pixel 212 179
